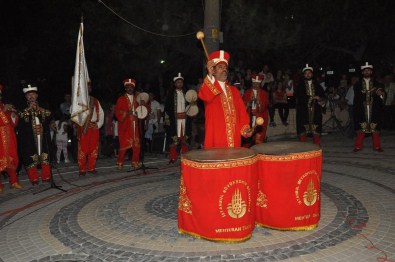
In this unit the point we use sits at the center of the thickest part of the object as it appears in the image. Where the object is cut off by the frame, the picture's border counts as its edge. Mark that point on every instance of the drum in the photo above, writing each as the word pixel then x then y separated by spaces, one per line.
pixel 218 194
pixel 192 110
pixel 191 96
pixel 142 112
pixel 142 98
pixel 288 185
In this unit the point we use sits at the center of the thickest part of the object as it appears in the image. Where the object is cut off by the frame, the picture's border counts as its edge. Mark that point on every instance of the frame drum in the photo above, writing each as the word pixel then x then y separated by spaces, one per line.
pixel 142 97
pixel 218 194
pixel 142 112
pixel 288 185
pixel 191 96
pixel 192 110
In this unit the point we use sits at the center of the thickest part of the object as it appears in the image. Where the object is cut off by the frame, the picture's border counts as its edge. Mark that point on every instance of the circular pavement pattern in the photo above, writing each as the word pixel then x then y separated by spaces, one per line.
pixel 137 221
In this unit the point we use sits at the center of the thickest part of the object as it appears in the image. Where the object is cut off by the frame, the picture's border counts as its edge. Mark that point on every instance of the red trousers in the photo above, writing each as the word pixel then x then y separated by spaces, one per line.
pixel 361 136
pixel 32 173
pixel 173 155
pixel 316 138
pixel 88 147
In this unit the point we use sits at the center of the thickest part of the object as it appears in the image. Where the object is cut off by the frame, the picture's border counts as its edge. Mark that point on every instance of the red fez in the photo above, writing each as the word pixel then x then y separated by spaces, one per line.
pixel 256 78
pixel 220 57
pixel 129 82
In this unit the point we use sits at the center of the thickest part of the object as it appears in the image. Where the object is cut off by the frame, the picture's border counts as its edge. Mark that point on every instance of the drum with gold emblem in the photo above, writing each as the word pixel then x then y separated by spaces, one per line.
pixel 218 194
pixel 289 184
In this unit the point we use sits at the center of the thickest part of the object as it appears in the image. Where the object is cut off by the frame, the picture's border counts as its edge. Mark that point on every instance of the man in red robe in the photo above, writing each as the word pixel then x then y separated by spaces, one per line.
pixel 8 147
pixel 88 136
pixel 128 124
pixel 226 118
pixel 257 102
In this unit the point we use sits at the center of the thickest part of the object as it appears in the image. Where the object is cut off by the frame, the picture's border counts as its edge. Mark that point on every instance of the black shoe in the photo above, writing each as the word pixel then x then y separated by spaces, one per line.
pixel 47 180
pixel 172 161
pixel 82 173
pixel 92 172
pixel 34 183
pixel 379 149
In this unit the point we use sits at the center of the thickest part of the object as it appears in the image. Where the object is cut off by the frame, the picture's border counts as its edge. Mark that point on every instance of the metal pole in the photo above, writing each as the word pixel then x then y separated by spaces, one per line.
pixel 212 25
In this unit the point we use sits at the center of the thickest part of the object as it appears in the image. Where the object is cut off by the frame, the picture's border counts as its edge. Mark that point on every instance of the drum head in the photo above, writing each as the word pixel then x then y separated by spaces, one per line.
pixel 142 112
pixel 218 154
pixel 142 96
pixel 191 96
pixel 192 110
pixel 284 148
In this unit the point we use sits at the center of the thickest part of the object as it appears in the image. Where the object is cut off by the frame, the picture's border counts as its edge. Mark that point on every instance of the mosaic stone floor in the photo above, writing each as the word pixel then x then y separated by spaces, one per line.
pixel 128 216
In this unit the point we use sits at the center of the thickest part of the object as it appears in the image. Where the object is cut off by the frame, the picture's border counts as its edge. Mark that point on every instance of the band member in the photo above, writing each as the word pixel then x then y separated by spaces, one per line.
pixel 368 103
pixel 179 126
pixel 310 98
pixel 34 134
pixel 88 136
pixel 8 146
pixel 128 124
pixel 226 118
pixel 257 102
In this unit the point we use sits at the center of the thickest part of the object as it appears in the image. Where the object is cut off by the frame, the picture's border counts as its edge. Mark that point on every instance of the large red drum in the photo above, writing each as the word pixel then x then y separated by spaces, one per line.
pixel 218 194
pixel 289 184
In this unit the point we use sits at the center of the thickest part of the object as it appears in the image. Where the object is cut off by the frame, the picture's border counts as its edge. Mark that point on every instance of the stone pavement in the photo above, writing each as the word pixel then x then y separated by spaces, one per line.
pixel 128 216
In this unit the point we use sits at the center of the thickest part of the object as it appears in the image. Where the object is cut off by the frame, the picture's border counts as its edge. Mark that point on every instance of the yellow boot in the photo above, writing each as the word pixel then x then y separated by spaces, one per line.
pixel 16 185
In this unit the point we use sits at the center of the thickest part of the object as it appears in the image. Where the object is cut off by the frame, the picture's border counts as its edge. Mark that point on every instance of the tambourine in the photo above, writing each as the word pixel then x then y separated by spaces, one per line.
pixel 191 110
pixel 191 96
pixel 142 97
pixel 142 112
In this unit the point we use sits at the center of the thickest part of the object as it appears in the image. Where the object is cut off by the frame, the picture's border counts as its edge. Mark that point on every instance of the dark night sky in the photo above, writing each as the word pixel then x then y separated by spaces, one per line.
pixel 39 39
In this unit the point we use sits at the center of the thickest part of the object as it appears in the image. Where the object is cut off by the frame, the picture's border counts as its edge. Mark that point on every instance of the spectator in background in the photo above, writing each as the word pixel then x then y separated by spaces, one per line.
pixel 350 104
pixel 388 118
pixel 108 147
pixel 153 119
pixel 61 137
pixel 280 102
pixel 65 106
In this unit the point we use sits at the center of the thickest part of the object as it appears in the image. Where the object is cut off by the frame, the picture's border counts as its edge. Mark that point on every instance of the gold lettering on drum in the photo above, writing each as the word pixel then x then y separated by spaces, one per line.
pixel 307 216
pixel 184 203
pixel 310 196
pixel 235 206
pixel 311 192
pixel 232 229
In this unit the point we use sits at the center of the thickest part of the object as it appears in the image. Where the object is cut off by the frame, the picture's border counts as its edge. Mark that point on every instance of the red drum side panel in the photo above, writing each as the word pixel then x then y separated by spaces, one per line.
pixel 217 200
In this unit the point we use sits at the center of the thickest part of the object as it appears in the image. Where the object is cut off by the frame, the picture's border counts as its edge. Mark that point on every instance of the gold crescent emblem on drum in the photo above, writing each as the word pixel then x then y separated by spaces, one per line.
pixel 310 195
pixel 237 208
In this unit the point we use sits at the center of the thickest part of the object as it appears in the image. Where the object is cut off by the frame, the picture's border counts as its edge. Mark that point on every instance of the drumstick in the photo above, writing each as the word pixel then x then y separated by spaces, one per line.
pixel 200 36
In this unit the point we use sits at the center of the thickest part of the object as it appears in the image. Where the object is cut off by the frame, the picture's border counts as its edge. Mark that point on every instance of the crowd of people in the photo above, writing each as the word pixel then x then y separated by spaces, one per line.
pixel 230 107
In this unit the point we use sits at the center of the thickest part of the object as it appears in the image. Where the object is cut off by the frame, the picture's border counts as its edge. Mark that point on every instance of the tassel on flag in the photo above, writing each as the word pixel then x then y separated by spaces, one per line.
pixel 79 109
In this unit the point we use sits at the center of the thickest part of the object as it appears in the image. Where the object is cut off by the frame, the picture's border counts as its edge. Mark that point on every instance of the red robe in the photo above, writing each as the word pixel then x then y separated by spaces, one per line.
pixel 128 128
pixel 260 110
pixel 8 146
pixel 88 145
pixel 226 116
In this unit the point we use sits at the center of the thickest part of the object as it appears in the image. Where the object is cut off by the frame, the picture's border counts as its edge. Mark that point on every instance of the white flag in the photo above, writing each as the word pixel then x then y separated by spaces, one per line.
pixel 79 109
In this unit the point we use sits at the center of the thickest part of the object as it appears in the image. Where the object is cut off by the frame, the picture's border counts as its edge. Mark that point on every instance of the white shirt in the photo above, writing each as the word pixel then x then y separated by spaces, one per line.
pixel 99 121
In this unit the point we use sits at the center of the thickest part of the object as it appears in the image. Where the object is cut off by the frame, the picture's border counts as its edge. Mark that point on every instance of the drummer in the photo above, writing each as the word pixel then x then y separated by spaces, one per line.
pixel 226 115
pixel 128 129
pixel 179 126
